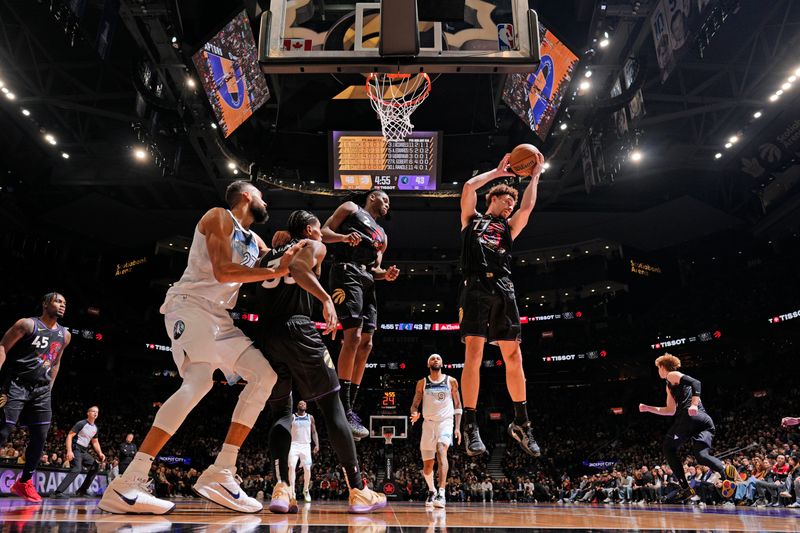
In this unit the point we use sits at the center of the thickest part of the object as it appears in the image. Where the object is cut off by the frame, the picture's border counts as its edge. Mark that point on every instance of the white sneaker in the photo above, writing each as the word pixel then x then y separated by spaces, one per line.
pixel 221 486
pixel 439 500
pixel 306 496
pixel 132 497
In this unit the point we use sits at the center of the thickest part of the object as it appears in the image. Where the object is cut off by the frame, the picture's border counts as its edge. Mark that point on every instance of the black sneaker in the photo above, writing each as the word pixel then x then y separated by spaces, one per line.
pixel 473 442
pixel 524 435
pixel 429 500
pixel 59 496
pixel 680 496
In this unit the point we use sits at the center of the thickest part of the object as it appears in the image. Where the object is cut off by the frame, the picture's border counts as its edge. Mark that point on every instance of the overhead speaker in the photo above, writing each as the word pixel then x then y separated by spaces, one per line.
pixel 441 10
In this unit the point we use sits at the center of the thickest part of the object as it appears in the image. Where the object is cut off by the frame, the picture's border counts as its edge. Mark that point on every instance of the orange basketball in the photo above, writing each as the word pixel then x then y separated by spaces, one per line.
pixel 523 159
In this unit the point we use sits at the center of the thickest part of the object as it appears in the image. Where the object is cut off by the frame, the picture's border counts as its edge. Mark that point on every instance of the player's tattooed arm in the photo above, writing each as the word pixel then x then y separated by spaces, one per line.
pixel 418 392
pixel 380 273
pixel 469 193
pixel 21 328
pixel 457 407
pixel 331 227
pixel 57 362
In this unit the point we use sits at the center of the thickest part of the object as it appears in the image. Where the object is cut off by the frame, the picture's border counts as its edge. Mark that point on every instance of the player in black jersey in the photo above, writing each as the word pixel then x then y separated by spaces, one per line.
pixel 488 308
pixel 689 421
pixel 30 356
pixel 295 350
pixel 359 245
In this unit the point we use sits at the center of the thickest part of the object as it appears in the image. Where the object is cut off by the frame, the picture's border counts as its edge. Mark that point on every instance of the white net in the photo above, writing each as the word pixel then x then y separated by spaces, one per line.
pixel 394 97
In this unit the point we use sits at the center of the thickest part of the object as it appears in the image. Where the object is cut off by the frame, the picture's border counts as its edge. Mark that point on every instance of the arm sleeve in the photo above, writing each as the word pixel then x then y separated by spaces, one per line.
pixel 693 383
pixel 78 427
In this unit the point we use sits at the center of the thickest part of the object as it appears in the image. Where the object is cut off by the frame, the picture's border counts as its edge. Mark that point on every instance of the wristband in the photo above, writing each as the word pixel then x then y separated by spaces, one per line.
pixel 458 411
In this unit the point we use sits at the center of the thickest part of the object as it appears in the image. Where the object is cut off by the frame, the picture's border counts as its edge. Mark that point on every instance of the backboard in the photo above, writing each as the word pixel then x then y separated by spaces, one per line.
pixel 312 36
pixel 379 424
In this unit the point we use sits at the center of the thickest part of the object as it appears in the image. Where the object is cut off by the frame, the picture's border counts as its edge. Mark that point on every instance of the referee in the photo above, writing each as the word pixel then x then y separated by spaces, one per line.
pixel 85 434
pixel 127 451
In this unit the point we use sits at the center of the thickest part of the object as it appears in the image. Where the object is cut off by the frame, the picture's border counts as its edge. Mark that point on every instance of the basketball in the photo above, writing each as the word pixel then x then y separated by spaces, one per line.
pixel 523 159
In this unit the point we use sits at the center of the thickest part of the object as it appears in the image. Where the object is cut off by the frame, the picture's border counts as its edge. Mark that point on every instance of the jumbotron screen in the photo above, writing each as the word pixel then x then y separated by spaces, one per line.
pixel 536 97
pixel 363 160
pixel 231 77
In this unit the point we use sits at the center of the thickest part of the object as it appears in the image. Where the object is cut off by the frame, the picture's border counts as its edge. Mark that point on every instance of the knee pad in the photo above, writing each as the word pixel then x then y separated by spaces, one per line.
pixel 260 376
pixel 197 381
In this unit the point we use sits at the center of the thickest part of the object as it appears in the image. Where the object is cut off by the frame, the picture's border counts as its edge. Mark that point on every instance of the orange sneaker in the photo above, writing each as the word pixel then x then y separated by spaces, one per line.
pixel 26 490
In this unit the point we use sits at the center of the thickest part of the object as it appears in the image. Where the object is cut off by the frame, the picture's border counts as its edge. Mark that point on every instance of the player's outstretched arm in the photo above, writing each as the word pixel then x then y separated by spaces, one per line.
pixel 519 220
pixel 668 410
pixel 21 328
pixel 301 268
pixel 469 193
pixel 216 225
pixel 331 227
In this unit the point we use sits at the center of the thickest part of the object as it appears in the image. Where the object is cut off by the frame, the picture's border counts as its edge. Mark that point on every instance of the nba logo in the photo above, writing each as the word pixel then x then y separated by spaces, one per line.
pixel 505 36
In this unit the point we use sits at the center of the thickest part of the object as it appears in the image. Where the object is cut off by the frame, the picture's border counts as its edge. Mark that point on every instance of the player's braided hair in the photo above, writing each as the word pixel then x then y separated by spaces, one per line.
pixel 49 297
pixel 298 222
pixel 360 197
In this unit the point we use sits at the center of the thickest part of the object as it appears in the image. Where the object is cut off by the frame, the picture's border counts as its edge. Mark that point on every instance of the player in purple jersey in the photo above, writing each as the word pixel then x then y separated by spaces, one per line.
pixel 30 356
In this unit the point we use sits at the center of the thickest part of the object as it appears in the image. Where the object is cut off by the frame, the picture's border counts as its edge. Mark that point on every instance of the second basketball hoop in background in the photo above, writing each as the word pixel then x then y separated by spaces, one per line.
pixel 394 97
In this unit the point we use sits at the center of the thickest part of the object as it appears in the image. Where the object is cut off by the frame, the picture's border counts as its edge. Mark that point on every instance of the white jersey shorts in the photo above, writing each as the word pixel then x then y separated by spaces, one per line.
pixel 301 452
pixel 203 332
pixel 434 432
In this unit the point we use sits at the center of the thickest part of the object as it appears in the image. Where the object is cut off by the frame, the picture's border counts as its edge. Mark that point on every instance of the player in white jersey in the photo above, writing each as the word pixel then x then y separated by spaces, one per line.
pixel 223 255
pixel 304 433
pixel 441 403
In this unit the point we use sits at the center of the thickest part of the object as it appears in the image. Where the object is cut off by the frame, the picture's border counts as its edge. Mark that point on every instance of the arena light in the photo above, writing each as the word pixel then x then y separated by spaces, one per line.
pixel 190 82
pixel 235 171
pixel 717 155
pixel 636 156
pixel 140 154
pixel 728 145
pixel 604 43
pixel 757 114
pixel 779 92
pixel 786 86
pixel 213 125
pixel 10 96
pixel 585 85
pixel 231 165
pixel 49 138
pixel 455 183
pixel 5 91
pixel 563 126
pixel 26 112
pixel 733 139
pixel 797 72
pixel 546 165
pixel 791 79
pixel 588 73
pixel 65 155
pixel 773 98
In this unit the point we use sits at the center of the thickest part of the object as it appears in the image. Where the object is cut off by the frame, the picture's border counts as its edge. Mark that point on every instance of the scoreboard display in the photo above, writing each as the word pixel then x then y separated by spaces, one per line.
pixel 363 160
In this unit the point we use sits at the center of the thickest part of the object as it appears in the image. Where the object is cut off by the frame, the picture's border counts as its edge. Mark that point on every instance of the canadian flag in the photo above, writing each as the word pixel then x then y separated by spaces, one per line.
pixel 296 45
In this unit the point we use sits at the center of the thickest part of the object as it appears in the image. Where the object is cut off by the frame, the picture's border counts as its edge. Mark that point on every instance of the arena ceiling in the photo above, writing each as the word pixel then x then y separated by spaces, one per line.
pixel 94 110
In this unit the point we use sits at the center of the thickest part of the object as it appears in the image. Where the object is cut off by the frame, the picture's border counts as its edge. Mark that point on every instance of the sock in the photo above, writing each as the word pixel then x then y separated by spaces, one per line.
pixel 139 467
pixel 429 481
pixel 441 491
pixel 344 393
pixel 227 456
pixel 341 438
pixel 521 413
pixel 353 393
pixel 469 417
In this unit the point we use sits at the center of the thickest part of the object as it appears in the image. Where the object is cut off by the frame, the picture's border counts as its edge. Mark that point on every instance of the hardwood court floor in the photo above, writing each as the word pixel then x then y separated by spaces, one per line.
pixel 192 515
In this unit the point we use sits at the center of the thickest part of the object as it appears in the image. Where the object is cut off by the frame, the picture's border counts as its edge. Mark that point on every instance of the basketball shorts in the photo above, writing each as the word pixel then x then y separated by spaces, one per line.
pixel 296 352
pixel 434 432
pixel 301 452
pixel 488 309
pixel 26 404
pixel 353 293
pixel 699 429
pixel 203 332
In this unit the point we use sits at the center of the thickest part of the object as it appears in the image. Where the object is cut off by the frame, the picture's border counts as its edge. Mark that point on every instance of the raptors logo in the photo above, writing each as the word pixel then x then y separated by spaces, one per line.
pixel 338 296
pixel 51 354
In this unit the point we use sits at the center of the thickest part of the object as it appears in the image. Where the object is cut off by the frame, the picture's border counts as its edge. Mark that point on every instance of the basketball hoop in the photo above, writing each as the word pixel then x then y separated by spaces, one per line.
pixel 394 97
pixel 387 437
